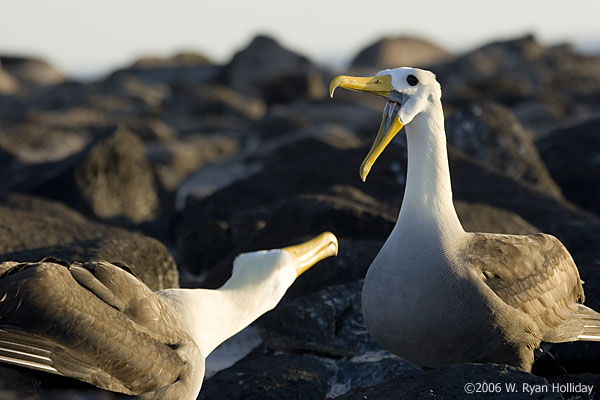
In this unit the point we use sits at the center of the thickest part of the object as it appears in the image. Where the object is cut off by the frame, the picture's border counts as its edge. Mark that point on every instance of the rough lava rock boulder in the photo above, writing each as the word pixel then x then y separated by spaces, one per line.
pixel 327 322
pixel 182 68
pixel 478 217
pixel 543 85
pixel 31 71
pixel 572 155
pixel 268 376
pixel 490 133
pixel 32 228
pixel 400 51
pixel 211 108
pixel 174 159
pixel 452 382
pixel 265 68
pixel 109 180
pixel 8 84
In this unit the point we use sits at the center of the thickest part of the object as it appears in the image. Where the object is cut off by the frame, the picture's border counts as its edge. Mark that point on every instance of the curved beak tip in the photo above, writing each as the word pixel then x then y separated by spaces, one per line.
pixel 332 86
pixel 307 254
pixel 333 243
pixel 365 168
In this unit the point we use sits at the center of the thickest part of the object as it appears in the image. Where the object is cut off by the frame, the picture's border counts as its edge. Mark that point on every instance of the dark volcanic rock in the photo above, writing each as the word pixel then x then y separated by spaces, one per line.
pixel 31 71
pixel 490 133
pixel 39 142
pixel 543 85
pixel 400 52
pixel 264 66
pixel 25 384
pixel 576 357
pixel 190 68
pixel 210 108
pixel 368 370
pixel 109 180
pixel 346 210
pixel 7 160
pixel 32 228
pixel 590 274
pixel 301 82
pixel 173 160
pixel 450 383
pixel 484 218
pixel 268 376
pixel 124 95
pixel 181 59
pixel 8 84
pixel 328 323
pixel 352 115
pixel 573 158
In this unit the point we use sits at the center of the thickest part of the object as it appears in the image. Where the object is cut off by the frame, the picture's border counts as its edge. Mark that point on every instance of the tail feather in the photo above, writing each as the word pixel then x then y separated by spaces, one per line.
pixel 591 324
pixel 24 354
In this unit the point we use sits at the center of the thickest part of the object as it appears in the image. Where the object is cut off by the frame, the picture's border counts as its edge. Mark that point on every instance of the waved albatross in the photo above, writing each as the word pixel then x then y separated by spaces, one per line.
pixel 438 295
pixel 98 323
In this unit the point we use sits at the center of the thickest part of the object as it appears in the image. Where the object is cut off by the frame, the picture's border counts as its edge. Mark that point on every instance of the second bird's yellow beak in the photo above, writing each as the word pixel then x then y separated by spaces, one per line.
pixel 307 254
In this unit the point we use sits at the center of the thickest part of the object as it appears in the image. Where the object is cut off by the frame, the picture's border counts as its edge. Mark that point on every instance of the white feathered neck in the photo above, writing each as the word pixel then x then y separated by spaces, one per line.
pixel 427 205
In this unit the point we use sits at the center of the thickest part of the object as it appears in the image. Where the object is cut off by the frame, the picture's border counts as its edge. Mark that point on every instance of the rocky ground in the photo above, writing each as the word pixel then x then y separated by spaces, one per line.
pixel 176 165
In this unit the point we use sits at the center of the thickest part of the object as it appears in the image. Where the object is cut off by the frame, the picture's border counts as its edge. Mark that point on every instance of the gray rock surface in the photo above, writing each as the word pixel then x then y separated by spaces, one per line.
pixel 391 52
pixel 8 84
pixel 572 155
pixel 31 71
pixel 449 383
pixel 182 68
pixel 265 68
pixel 109 180
pixel 33 228
pixel 543 85
pixel 490 133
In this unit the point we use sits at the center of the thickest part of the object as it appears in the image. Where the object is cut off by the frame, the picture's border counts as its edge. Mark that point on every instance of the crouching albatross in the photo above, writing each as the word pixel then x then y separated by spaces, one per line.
pixel 98 323
pixel 438 295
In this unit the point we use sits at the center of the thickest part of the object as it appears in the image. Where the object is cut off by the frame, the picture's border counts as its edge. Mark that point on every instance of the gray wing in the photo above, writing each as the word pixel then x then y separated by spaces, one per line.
pixel 94 322
pixel 535 274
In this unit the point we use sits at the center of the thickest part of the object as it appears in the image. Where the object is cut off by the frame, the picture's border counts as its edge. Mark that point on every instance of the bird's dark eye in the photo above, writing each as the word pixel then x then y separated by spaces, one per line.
pixel 412 80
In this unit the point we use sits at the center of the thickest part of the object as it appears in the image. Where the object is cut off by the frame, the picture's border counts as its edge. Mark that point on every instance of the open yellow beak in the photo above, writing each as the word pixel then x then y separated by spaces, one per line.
pixel 390 124
pixel 307 254
pixel 379 85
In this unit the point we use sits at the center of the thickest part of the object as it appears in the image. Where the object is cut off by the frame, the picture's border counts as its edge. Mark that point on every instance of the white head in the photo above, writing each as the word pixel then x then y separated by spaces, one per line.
pixel 269 273
pixel 407 92
pixel 416 87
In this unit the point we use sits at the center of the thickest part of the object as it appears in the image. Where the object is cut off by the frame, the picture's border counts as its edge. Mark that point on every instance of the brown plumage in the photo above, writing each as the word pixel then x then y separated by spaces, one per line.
pixel 97 322
pixel 66 307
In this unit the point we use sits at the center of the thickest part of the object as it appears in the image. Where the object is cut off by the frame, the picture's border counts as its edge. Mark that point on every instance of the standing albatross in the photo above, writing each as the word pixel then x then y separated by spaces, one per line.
pixel 438 295
pixel 98 323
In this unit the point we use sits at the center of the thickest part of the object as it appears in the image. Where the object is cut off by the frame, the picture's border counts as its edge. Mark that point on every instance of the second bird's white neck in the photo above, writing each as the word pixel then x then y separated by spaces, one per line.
pixel 212 316
pixel 427 204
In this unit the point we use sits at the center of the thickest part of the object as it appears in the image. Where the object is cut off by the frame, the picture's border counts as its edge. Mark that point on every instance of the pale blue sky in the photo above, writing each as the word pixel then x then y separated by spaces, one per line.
pixel 84 37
